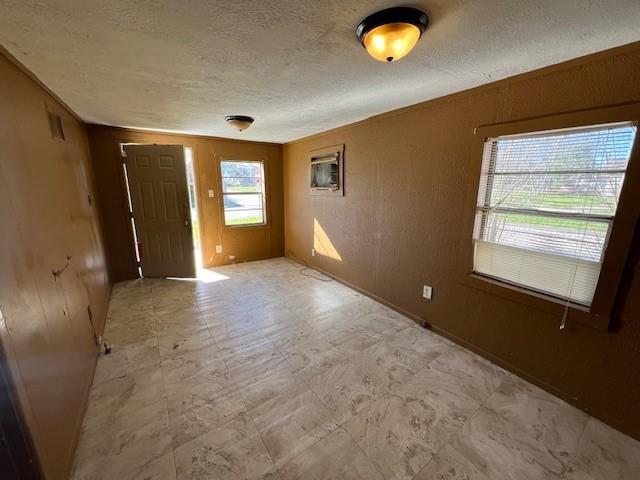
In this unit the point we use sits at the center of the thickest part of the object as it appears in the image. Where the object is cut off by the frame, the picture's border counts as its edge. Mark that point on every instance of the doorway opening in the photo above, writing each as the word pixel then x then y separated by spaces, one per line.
pixel 193 204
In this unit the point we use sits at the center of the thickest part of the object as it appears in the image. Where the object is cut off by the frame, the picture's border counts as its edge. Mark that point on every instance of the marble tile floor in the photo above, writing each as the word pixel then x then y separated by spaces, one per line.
pixel 255 371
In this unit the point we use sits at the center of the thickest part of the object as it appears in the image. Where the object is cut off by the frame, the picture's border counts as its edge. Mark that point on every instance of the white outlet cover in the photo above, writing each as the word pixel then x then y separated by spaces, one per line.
pixel 218 248
pixel 211 194
pixel 427 291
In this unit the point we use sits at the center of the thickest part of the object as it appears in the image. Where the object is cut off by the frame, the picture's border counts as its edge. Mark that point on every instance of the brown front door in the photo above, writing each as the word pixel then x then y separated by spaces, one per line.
pixel 160 203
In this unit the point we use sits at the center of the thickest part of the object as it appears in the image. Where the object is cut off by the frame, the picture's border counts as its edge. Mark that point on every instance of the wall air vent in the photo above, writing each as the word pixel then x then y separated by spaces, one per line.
pixel 55 125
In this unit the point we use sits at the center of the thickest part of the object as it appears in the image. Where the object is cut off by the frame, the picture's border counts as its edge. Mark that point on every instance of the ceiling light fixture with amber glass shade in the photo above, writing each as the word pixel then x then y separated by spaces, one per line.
pixel 390 34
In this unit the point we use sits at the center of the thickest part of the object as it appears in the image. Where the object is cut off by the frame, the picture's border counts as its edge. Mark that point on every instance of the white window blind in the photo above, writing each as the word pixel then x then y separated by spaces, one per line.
pixel 546 204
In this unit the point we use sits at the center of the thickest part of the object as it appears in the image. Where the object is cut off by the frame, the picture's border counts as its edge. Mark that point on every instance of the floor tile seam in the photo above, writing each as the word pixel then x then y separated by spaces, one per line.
pixel 125 343
pixel 121 322
pixel 309 447
pixel 319 398
pixel 452 435
pixel 449 442
pixel 108 326
pixel 253 367
pixel 235 390
pixel 165 389
pixel 321 338
pixel 449 347
pixel 129 371
pixel 255 426
pixel 222 367
pixel 586 424
pixel 257 379
pixel 206 327
pixel 432 459
pixel 164 452
pixel 148 405
pixel 175 462
pixel 372 461
pixel 236 386
pixel 143 406
pixel 110 321
pixel 555 399
pixel 412 375
pixel 286 356
pixel 369 407
pixel 211 337
pixel 279 421
pixel 328 407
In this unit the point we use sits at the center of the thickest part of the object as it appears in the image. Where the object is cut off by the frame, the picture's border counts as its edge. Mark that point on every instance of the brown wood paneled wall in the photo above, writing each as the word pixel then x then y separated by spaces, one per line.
pixel 400 225
pixel 48 219
pixel 243 243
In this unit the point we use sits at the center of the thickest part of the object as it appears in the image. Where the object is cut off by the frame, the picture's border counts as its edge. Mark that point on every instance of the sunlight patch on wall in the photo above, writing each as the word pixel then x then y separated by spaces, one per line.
pixel 322 244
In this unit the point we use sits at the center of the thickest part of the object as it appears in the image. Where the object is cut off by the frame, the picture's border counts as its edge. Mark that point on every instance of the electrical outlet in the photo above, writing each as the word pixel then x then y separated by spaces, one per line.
pixel 427 291
pixel 211 194
pixel 218 248
pixel 313 252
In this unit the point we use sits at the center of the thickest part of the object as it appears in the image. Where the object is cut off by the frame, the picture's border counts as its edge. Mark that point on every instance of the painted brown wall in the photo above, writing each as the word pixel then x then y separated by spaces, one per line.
pixel 398 227
pixel 45 215
pixel 245 243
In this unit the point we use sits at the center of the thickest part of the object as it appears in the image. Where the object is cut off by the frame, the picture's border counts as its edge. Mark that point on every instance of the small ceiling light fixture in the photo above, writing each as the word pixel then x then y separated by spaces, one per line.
pixel 390 34
pixel 239 122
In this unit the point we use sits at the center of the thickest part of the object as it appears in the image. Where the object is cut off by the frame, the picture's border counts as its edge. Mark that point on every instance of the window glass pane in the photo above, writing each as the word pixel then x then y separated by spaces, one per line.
pixel 561 236
pixel 582 193
pixel 242 201
pixel 241 169
pixel 241 184
pixel 601 149
pixel 238 177
pixel 243 217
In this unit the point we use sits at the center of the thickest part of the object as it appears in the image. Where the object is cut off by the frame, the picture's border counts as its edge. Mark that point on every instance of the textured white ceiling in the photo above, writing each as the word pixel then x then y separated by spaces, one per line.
pixel 294 65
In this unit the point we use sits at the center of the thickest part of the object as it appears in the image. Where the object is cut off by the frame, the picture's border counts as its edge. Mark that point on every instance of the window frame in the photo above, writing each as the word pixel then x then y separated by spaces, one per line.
pixel 598 314
pixel 265 212
pixel 484 209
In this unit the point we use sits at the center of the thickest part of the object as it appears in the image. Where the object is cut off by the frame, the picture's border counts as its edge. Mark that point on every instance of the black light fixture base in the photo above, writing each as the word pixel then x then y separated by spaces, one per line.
pixel 408 15
pixel 242 118
pixel 239 122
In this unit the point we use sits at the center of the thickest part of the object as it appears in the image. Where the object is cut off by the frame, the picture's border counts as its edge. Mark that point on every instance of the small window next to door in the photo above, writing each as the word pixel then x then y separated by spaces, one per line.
pixel 243 192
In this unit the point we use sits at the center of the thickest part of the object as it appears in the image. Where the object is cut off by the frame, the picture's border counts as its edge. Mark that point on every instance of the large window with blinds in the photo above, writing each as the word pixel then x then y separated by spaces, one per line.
pixel 546 205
